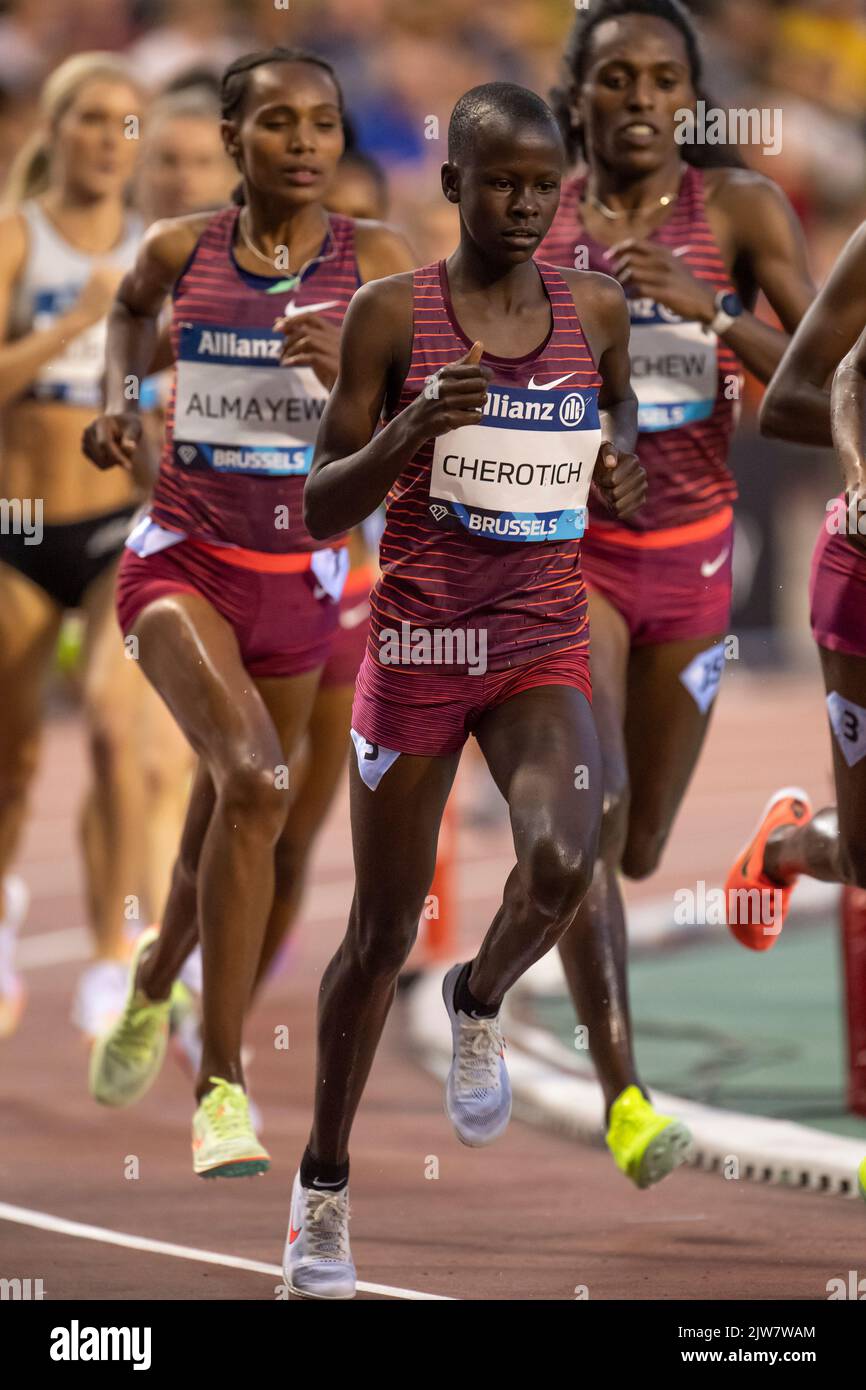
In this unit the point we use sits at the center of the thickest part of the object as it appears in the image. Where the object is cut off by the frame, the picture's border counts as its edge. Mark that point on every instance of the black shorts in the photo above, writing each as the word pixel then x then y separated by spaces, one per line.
pixel 69 557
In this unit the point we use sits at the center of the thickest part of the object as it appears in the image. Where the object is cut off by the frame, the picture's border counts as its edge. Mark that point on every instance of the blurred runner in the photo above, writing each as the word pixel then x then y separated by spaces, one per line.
pixel 63 250
pixel 790 840
pixel 183 167
pixel 230 600
pixel 692 248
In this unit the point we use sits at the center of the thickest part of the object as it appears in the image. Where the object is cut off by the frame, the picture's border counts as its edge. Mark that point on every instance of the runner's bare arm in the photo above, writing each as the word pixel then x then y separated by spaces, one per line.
pixel 381 251
pixel 354 467
pixel 133 337
pixel 603 312
pixel 848 416
pixel 771 257
pixel 797 403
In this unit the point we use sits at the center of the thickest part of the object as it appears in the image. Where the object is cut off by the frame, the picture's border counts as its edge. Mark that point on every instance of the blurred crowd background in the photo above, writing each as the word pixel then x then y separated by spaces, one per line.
pixel 403 63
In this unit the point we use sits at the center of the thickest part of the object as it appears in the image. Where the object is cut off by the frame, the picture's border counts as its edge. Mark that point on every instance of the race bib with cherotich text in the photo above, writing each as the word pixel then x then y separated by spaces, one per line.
pixel 674 367
pixel 237 410
pixel 522 473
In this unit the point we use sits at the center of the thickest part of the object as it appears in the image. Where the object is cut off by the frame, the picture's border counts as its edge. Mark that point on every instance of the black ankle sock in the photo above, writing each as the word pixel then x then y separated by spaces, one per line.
pixel 314 1173
pixel 465 1001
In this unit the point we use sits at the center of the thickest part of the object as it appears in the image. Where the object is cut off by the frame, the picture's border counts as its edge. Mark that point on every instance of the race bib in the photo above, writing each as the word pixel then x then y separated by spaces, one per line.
pixel 522 473
pixel 75 374
pixel 237 410
pixel 330 568
pixel 674 367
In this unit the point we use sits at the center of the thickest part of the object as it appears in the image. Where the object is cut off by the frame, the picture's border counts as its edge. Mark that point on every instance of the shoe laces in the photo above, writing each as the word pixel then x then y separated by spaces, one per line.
pixel 133 1034
pixel 479 1050
pixel 327 1218
pixel 226 1108
pixel 630 1118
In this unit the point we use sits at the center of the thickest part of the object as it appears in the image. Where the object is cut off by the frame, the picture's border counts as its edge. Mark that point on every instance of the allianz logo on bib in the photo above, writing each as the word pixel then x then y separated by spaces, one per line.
pixel 521 408
pixel 229 345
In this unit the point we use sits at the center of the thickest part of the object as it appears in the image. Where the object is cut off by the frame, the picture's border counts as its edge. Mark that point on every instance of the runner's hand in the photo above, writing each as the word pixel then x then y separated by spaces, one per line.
pixel 311 341
pixel 655 273
pixel 97 295
pixel 621 481
pixel 453 396
pixel 111 441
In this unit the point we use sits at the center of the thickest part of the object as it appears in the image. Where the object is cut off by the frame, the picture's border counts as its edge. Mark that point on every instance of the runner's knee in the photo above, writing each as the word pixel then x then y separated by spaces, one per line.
pixel 382 934
pixel 557 877
pixel 251 798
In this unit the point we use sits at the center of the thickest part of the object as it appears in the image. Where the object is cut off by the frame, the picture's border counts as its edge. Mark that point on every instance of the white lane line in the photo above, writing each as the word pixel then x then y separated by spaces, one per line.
pixel 43 1221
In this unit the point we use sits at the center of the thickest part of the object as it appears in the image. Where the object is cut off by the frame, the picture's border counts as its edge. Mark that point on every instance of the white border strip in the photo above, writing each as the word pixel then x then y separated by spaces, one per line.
pixel 549 1090
pixel 43 1221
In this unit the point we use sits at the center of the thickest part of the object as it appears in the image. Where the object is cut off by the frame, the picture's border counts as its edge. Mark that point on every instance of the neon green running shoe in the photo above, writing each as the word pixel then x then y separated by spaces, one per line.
pixel 861 1177
pixel 646 1146
pixel 224 1143
pixel 126 1060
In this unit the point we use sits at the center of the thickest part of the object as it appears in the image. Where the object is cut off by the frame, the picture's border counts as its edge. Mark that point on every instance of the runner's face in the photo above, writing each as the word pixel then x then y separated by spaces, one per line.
pixel 637 79
pixel 355 193
pixel 289 137
pixel 508 189
pixel 185 169
pixel 93 148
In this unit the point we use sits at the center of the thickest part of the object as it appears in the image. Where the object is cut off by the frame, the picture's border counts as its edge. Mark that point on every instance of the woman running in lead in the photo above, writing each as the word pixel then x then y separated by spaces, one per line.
pixel 691 247
pixel 478 621
pixel 227 599
pixel 63 249
pixel 789 840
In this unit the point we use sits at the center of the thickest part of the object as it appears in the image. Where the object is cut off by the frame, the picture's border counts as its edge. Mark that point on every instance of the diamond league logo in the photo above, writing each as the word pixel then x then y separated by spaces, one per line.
pixel 572 409
pixel 438 511
pixel 186 452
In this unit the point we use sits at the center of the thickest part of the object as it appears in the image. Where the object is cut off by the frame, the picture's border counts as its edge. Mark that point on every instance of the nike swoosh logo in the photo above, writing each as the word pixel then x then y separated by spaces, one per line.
pixel 292 309
pixel 316 1182
pixel 353 617
pixel 293 1234
pixel 548 385
pixel 711 567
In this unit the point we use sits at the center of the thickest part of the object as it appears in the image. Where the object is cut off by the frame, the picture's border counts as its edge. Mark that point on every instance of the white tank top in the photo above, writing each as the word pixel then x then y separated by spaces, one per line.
pixel 54 275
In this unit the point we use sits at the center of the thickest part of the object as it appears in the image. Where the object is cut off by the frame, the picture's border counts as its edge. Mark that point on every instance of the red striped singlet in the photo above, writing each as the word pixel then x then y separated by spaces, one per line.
pixel 529 598
pixel 240 429
pixel 687 465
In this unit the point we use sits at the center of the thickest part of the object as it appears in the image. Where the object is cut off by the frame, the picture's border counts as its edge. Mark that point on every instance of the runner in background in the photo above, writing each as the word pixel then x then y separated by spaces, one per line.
pixel 692 247
pixel 358 190
pixel 183 169
pixel 65 241
pixel 230 600
pixel 790 840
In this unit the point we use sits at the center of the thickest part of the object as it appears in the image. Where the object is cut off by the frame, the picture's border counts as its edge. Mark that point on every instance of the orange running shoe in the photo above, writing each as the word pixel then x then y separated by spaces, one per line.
pixel 757 905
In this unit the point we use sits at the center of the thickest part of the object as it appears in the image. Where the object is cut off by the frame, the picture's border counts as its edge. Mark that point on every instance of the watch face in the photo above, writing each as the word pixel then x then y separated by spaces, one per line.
pixel 731 304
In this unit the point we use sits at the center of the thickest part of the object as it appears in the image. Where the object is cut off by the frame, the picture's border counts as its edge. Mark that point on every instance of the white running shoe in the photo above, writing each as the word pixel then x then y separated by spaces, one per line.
pixel 317 1261
pixel 13 994
pixel 478 1091
pixel 100 997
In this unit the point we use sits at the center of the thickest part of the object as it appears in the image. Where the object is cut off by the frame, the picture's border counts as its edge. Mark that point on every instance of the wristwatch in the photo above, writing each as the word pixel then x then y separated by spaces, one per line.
pixel 729 307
